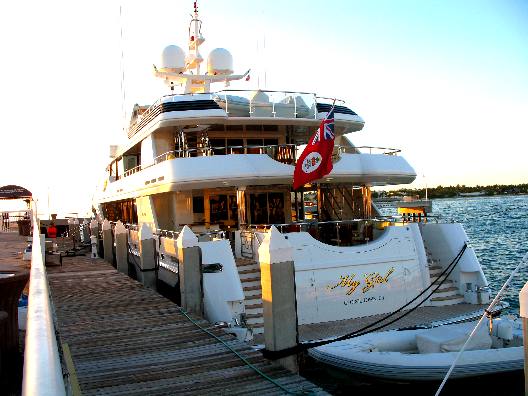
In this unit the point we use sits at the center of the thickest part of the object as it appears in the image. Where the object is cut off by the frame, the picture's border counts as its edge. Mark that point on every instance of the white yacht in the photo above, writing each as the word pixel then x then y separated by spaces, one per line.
pixel 222 163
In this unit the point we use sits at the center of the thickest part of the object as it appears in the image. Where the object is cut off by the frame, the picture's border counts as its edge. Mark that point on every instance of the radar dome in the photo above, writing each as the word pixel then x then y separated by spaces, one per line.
pixel 172 59
pixel 220 62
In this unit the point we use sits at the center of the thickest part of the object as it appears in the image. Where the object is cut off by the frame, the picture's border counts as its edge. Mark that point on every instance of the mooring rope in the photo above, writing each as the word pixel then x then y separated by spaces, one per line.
pixel 246 362
pixel 365 330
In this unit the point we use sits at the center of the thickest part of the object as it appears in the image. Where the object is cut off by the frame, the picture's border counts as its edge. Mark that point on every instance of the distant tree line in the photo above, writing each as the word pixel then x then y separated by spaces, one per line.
pixel 454 191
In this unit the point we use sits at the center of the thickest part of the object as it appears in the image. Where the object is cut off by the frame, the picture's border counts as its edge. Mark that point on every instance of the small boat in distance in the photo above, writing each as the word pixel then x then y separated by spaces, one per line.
pixel 472 194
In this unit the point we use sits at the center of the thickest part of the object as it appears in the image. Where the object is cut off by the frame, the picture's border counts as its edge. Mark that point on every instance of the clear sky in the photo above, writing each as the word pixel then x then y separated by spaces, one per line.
pixel 445 81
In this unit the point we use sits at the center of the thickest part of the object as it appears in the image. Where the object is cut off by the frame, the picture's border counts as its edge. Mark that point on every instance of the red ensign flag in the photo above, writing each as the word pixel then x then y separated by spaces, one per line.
pixel 315 161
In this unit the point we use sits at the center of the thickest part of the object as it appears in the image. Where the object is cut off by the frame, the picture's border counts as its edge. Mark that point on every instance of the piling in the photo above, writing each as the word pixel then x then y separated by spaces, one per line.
pixel 94 228
pixel 85 232
pixel 94 237
pixel 121 241
pixel 108 242
pixel 147 257
pixel 278 296
pixel 74 231
pixel 190 271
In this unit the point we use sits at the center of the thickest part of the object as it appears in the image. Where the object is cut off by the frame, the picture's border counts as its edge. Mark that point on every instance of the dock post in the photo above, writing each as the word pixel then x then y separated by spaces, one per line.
pixel 190 271
pixel 278 296
pixel 73 231
pixel 108 242
pixel 94 228
pixel 94 237
pixel 86 232
pixel 523 310
pixel 147 257
pixel 121 240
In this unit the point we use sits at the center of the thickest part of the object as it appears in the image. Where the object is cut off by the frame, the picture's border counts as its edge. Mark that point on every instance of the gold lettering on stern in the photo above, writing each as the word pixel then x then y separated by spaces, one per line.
pixel 346 281
pixel 371 280
pixel 375 278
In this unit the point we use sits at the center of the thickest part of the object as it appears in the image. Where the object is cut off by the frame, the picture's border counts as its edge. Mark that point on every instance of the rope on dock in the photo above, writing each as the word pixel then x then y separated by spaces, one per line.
pixel 246 362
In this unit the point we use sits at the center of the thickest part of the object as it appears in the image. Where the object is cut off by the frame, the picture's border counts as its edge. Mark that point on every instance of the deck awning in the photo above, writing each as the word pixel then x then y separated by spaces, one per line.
pixel 14 192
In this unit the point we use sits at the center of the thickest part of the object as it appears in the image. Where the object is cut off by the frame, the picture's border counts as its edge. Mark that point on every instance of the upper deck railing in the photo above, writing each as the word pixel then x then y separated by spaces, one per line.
pixel 284 153
pixel 246 103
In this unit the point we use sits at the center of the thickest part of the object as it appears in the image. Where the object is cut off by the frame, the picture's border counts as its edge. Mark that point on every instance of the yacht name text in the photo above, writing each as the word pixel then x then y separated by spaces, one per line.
pixel 370 281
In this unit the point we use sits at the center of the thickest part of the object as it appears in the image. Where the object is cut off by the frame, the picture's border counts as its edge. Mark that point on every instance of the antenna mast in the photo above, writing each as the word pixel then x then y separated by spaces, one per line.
pixel 176 68
pixel 195 40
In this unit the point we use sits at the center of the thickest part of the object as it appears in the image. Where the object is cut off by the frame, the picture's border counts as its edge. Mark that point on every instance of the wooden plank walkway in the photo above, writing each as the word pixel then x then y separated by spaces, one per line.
pixel 129 340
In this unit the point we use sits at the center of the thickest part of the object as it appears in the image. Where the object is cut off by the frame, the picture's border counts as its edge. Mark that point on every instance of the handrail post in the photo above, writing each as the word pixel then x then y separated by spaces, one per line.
pixel 278 296
pixel 108 242
pixel 190 271
pixel 147 256
pixel 121 239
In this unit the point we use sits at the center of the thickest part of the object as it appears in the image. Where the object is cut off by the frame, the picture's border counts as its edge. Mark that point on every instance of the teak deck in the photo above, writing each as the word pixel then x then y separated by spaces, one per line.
pixel 125 339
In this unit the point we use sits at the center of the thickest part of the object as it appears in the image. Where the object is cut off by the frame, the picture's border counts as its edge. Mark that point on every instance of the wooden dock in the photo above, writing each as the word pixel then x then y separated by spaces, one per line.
pixel 119 338
pixel 125 339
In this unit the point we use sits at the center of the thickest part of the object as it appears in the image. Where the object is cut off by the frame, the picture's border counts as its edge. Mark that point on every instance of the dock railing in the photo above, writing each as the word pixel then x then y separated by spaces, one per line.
pixel 42 366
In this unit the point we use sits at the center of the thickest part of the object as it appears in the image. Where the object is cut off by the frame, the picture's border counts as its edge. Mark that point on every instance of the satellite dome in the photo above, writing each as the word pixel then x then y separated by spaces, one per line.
pixel 172 59
pixel 220 62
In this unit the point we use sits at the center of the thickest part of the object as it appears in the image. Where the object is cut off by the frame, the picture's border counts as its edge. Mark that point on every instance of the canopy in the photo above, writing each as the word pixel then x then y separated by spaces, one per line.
pixel 14 192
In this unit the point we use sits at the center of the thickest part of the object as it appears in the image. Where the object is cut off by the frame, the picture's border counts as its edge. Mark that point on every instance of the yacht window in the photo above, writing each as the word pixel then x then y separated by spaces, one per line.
pixel 276 208
pixel 218 145
pixel 254 146
pixel 258 206
pixel 218 208
pixel 267 208
pixel 198 204
pixel 235 146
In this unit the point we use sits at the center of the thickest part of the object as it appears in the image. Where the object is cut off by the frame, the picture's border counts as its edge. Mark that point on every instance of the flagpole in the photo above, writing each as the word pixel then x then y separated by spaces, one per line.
pixel 308 167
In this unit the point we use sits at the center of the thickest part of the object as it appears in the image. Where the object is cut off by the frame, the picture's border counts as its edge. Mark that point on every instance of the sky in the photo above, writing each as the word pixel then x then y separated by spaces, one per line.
pixel 444 81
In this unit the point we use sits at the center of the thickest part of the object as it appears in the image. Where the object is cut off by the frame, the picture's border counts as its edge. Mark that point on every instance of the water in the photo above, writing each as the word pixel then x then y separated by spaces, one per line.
pixel 497 228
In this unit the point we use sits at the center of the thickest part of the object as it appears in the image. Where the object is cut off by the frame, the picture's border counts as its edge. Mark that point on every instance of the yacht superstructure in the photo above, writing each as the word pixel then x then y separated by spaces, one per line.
pixel 223 162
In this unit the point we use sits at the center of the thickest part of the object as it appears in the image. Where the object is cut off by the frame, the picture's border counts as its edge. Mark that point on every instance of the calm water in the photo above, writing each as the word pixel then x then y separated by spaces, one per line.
pixel 497 228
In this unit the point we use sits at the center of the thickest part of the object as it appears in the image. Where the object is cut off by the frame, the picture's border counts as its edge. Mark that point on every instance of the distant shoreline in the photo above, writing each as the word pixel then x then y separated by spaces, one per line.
pixel 458 191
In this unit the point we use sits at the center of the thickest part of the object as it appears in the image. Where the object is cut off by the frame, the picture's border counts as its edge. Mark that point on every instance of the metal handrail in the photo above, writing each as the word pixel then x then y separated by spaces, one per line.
pixel 42 367
pixel 379 219
pixel 136 125
pixel 355 150
pixel 263 149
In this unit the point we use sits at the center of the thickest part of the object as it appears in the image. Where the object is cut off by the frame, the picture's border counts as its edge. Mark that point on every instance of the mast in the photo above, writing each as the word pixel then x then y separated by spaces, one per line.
pixel 184 70
pixel 195 40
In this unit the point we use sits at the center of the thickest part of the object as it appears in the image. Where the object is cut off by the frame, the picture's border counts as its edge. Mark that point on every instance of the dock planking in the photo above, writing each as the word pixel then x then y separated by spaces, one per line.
pixel 126 339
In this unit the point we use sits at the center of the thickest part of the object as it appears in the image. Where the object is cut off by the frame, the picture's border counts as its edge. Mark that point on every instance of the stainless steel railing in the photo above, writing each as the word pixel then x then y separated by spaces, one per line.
pixel 284 153
pixel 298 104
pixel 42 367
